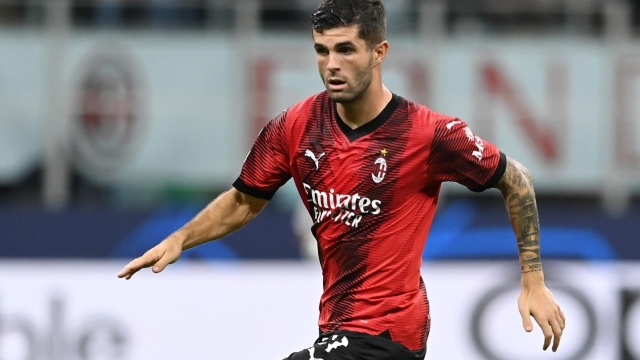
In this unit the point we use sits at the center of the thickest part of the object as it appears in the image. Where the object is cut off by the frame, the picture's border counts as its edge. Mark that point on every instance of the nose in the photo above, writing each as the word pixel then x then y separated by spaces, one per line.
pixel 333 64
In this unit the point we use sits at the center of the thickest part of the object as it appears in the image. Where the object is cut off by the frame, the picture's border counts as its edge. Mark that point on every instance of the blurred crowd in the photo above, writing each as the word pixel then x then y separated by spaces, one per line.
pixel 488 14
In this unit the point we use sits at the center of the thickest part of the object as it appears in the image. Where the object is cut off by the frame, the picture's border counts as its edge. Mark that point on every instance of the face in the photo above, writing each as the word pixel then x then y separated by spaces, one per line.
pixel 345 63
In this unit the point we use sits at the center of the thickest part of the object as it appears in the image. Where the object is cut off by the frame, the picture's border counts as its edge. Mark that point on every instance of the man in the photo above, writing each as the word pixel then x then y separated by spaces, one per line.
pixel 369 165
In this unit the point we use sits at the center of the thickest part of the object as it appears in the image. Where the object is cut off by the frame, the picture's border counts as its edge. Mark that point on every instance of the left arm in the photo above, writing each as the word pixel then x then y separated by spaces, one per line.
pixel 461 156
pixel 535 299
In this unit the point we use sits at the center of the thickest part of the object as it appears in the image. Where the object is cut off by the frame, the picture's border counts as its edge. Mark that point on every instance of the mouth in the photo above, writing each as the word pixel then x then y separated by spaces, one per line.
pixel 336 84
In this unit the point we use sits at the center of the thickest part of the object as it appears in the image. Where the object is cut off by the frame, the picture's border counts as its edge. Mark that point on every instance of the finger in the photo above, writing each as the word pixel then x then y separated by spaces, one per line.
pixel 564 320
pixel 546 330
pixel 128 270
pixel 134 266
pixel 124 272
pixel 557 334
pixel 526 319
pixel 560 322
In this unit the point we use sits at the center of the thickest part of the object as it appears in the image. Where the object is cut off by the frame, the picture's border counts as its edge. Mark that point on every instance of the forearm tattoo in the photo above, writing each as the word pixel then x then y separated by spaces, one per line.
pixel 517 190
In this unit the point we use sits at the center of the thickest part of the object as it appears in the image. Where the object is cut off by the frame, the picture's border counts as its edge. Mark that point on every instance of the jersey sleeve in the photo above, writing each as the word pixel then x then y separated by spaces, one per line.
pixel 457 154
pixel 266 167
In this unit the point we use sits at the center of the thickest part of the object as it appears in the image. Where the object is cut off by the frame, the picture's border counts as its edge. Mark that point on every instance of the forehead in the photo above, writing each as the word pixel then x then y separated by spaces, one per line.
pixel 338 35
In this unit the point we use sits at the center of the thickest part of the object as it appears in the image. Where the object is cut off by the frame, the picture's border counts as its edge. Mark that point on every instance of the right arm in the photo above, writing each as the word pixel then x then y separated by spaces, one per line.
pixel 265 169
pixel 224 215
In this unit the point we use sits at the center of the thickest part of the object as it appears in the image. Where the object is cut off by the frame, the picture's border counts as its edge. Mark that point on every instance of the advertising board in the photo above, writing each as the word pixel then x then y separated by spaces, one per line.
pixel 80 310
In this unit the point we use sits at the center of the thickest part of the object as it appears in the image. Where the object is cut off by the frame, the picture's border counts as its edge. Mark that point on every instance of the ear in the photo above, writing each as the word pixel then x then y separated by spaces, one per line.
pixel 380 53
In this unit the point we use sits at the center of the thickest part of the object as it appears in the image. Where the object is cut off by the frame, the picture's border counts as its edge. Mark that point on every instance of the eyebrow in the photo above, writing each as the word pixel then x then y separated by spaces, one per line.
pixel 338 45
pixel 345 44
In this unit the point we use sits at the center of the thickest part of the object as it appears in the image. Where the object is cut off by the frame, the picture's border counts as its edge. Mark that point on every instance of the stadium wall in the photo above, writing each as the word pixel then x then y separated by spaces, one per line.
pixel 564 108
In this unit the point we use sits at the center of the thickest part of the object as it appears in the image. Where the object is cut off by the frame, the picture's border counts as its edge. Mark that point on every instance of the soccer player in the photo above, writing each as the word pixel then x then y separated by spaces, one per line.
pixel 369 164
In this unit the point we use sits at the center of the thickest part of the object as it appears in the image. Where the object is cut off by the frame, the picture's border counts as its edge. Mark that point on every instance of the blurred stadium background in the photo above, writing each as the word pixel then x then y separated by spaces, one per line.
pixel 120 119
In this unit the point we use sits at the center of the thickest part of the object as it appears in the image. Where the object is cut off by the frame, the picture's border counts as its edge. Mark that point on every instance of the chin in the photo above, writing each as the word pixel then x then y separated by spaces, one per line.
pixel 342 98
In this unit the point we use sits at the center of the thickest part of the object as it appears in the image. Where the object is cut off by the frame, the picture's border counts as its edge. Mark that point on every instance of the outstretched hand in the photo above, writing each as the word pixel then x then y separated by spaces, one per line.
pixel 539 303
pixel 165 253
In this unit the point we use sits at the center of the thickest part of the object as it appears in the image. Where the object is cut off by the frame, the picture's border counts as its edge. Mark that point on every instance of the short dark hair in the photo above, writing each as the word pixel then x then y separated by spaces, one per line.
pixel 369 15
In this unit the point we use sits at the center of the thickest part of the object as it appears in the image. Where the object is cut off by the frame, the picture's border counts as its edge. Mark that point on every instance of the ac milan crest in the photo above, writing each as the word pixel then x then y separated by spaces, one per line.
pixel 379 170
pixel 109 119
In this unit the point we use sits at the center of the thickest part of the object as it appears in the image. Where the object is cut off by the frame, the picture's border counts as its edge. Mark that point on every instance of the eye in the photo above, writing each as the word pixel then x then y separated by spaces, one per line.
pixel 321 51
pixel 345 51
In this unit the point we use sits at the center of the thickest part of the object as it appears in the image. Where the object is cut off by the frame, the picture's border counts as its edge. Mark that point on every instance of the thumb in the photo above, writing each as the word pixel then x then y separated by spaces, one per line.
pixel 161 264
pixel 170 254
pixel 526 320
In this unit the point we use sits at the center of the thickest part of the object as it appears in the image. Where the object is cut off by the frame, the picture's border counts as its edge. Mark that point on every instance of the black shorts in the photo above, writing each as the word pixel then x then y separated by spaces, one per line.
pixel 349 345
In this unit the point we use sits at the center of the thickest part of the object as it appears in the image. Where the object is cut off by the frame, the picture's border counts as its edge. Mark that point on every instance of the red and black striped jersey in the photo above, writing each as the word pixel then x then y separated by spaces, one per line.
pixel 372 193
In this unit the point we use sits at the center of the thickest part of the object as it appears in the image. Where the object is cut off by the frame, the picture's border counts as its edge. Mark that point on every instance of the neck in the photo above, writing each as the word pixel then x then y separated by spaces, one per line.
pixel 367 107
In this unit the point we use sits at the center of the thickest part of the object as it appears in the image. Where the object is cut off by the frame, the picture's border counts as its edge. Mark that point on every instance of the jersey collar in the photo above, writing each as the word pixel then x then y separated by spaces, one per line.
pixel 371 126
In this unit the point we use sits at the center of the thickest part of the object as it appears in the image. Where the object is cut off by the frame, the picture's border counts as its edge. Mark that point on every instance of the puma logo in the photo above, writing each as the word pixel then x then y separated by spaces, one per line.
pixel 311 155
